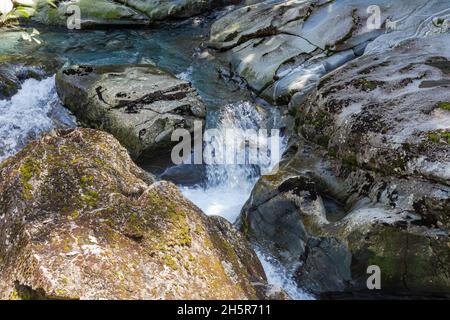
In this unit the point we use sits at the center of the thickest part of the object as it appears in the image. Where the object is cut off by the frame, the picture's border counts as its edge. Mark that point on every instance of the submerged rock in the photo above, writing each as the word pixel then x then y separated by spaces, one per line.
pixel 140 105
pixel 79 220
pixel 283 47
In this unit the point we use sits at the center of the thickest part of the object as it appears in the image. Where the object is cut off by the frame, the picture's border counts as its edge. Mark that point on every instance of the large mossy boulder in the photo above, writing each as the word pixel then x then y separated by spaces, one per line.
pixel 79 220
pixel 140 105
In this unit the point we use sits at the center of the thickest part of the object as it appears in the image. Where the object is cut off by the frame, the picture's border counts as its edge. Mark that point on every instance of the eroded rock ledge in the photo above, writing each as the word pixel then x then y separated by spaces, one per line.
pixel 79 220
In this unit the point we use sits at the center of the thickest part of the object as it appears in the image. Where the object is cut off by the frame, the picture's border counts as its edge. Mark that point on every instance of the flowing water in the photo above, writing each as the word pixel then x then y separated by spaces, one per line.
pixel 223 189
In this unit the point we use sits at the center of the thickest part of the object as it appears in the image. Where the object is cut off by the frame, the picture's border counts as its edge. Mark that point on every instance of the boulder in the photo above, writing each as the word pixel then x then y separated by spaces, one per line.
pixel 131 13
pixel 79 220
pixel 158 10
pixel 373 188
pixel 388 112
pixel 140 105
pixel 93 13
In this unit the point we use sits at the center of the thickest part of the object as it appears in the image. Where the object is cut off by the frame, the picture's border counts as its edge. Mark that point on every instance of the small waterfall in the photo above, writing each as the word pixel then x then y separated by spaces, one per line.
pixel 228 186
pixel 33 110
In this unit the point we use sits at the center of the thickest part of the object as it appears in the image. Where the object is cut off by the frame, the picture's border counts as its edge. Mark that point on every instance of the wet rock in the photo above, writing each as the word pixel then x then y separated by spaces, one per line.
pixel 14 69
pixel 283 47
pixel 326 265
pixel 140 105
pixel 386 111
pixel 186 175
pixel 162 9
pixel 79 220
pixel 132 13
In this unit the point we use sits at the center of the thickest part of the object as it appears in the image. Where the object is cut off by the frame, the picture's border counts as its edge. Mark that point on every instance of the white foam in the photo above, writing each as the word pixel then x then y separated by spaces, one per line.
pixel 229 187
pixel 28 114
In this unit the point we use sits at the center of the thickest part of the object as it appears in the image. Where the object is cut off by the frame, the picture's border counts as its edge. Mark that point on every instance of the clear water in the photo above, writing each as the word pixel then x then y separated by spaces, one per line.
pixel 177 49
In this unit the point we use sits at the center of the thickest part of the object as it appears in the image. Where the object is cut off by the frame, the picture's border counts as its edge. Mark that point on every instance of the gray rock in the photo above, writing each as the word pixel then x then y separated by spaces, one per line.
pixel 326 266
pixel 387 111
pixel 93 13
pixel 140 105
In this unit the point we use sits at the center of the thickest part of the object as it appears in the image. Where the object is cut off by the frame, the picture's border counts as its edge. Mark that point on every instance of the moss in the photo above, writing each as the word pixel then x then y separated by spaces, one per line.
pixel 67 245
pixel 444 105
pixel 245 229
pixel 178 231
pixel 323 140
pixel 433 137
pixel 368 85
pixel 85 179
pixel 74 215
pixel 90 198
pixel 15 295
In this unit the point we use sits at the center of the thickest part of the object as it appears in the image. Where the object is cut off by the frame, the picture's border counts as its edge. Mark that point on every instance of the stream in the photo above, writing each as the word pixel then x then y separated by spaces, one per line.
pixel 220 189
